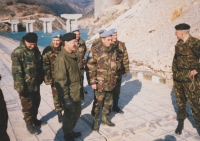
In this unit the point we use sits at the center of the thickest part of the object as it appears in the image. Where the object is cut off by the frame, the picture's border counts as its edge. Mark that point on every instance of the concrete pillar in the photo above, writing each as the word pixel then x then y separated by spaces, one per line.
pixel 14 25
pixel 29 25
pixel 71 21
pixel 47 24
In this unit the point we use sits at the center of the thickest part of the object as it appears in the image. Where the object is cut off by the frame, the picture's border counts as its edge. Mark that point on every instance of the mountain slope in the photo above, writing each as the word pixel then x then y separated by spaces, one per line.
pixel 147 28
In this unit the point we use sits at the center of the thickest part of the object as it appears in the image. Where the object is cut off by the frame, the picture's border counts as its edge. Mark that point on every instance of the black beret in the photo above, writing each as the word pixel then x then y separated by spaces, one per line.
pixel 68 36
pixel 31 37
pixel 182 26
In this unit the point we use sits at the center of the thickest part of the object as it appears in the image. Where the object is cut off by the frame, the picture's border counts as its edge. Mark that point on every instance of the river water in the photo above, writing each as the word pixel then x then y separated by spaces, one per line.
pixel 44 39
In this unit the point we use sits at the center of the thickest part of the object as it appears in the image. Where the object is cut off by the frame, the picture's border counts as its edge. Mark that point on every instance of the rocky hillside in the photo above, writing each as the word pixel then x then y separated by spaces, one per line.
pixel 27 12
pixel 147 28
pixel 60 6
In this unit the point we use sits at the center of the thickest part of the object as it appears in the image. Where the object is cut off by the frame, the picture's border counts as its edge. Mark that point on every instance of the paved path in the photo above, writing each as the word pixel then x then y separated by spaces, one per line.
pixel 150 112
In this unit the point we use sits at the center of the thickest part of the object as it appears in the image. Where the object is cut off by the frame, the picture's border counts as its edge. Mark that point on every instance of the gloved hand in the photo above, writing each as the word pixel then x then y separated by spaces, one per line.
pixel 69 103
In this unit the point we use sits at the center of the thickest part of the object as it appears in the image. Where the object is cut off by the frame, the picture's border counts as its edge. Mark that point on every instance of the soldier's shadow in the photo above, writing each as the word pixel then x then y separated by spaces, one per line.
pixel 83 125
pixel 89 97
pixel 188 109
pixel 128 91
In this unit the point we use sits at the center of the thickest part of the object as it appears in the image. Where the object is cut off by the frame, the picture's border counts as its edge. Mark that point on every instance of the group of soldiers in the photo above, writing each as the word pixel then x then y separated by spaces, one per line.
pixel 62 65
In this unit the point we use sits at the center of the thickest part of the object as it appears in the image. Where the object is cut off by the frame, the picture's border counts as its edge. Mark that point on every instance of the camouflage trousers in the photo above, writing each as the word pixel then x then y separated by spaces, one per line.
pixel 70 117
pixel 30 102
pixel 57 104
pixel 3 119
pixel 116 91
pixel 103 99
pixel 183 94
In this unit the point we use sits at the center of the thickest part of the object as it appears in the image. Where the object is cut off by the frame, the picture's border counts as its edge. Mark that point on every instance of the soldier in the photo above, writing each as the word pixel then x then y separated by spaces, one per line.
pixel 186 68
pixel 27 75
pixel 97 41
pixel 68 83
pixel 103 67
pixel 48 56
pixel 123 56
pixel 80 53
pixel 3 118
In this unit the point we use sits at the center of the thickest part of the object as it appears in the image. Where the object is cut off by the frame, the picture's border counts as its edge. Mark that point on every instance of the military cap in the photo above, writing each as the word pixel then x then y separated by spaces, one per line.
pixel 113 30
pixel 68 36
pixel 182 26
pixel 106 34
pixel 78 29
pixel 56 35
pixel 31 37
pixel 101 31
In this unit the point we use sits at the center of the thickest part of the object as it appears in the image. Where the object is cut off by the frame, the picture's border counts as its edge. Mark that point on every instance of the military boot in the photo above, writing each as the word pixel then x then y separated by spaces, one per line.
pixel 179 127
pixel 31 129
pixel 37 122
pixel 106 121
pixel 60 117
pixel 95 124
pixel 116 108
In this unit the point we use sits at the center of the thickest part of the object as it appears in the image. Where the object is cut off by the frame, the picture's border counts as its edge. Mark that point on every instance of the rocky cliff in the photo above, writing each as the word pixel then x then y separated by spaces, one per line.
pixel 147 28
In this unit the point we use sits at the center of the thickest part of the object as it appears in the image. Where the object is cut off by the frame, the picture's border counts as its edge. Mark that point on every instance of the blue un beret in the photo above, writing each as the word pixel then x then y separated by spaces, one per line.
pixel 56 35
pixel 106 34
pixel 101 31
pixel 113 30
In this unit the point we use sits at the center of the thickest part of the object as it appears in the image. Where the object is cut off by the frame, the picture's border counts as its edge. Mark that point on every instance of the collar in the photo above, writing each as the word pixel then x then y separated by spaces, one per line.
pixel 71 55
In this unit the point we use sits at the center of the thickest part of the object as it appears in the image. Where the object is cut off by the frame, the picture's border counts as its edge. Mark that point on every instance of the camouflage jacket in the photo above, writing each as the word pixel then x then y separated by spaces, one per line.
pixel 186 58
pixel 123 56
pixel 48 57
pixel 103 66
pixel 96 41
pixel 26 68
pixel 67 78
pixel 80 53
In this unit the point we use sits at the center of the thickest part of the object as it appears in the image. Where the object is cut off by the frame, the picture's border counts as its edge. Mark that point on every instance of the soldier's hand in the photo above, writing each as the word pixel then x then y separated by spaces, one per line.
pixel 94 86
pixel 193 73
pixel 69 103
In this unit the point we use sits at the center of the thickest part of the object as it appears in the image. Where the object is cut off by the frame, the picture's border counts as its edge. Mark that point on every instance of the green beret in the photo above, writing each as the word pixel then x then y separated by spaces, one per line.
pixel 68 36
pixel 182 26
pixel 31 37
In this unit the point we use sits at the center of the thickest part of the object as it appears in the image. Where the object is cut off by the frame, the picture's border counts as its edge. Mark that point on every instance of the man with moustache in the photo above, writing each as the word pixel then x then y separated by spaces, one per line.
pixel 48 56
pixel 124 61
pixel 103 76
pixel 67 79
pixel 186 68
pixel 27 76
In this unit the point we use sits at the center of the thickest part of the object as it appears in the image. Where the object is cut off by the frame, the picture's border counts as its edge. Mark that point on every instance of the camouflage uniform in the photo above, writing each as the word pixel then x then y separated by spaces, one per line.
pixel 27 75
pixel 80 53
pixel 68 83
pixel 186 58
pixel 3 118
pixel 123 55
pixel 97 42
pixel 48 56
pixel 103 66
